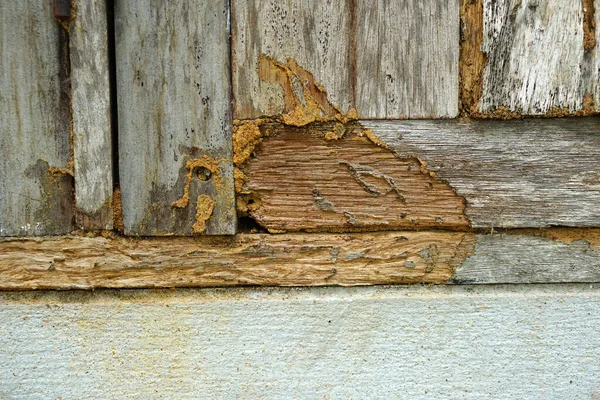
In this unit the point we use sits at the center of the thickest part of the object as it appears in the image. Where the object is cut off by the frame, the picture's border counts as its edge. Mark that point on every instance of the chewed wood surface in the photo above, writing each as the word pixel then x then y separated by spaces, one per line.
pixel 264 260
pixel 35 181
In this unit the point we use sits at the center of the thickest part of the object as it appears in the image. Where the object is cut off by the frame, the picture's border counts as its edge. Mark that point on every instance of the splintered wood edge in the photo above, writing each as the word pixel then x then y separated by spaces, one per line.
pixel 557 255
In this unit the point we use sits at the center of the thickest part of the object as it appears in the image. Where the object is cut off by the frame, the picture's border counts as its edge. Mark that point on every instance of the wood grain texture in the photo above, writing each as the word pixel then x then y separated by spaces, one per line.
pixel 534 342
pixel 519 258
pixel 526 173
pixel 174 101
pixel 92 130
pixel 407 58
pixel 269 260
pixel 316 34
pixel 537 61
pixel 306 180
pixel 35 194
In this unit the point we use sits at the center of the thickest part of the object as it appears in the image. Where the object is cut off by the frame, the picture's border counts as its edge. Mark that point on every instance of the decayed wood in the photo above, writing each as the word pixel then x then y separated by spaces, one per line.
pixel 311 179
pixel 525 173
pixel 174 106
pixel 35 186
pixel 539 58
pixel 407 58
pixel 274 260
pixel 316 34
pixel 521 258
pixel 92 129
pixel 472 59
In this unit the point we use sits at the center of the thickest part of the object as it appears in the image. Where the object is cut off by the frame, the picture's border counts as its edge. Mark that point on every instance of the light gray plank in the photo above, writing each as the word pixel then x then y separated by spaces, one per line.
pixel 536 57
pixel 515 258
pixel 518 341
pixel 316 34
pixel 174 109
pixel 407 58
pixel 525 173
pixel 92 125
pixel 35 196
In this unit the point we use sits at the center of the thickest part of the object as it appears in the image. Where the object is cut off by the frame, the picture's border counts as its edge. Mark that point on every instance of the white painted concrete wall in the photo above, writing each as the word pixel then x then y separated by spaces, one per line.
pixel 500 342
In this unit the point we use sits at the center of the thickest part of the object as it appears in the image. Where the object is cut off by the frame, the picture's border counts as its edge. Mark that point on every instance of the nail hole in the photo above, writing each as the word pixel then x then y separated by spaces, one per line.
pixel 203 173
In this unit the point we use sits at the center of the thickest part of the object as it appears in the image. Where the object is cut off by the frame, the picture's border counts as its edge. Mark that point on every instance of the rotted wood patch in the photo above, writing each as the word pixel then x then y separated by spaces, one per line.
pixel 77 262
pixel 314 168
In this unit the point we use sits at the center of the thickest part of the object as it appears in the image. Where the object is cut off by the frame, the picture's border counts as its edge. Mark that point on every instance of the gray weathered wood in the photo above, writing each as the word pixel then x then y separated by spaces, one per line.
pixel 316 34
pixel 517 258
pixel 534 342
pixel 174 106
pixel 92 130
pixel 35 189
pixel 407 58
pixel 536 57
pixel 525 173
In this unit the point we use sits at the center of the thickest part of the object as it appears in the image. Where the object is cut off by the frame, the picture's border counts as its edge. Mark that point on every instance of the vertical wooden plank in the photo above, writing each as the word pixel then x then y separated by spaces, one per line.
pixel 174 112
pixel 407 58
pixel 315 34
pixel 92 130
pixel 538 59
pixel 35 185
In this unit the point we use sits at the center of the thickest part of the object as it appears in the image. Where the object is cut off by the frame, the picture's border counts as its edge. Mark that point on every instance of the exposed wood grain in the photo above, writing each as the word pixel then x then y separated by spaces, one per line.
pixel 537 61
pixel 174 116
pixel 92 130
pixel 312 180
pixel 271 260
pixel 316 34
pixel 407 58
pixel 35 194
pixel 518 258
pixel 526 173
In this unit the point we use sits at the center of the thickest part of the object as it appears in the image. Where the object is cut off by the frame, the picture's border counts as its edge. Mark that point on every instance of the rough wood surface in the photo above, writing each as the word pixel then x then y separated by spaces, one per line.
pixel 267 260
pixel 311 180
pixel 316 34
pixel 35 188
pixel 521 258
pixel 92 130
pixel 174 105
pixel 534 342
pixel 537 58
pixel 365 55
pixel 407 58
pixel 526 173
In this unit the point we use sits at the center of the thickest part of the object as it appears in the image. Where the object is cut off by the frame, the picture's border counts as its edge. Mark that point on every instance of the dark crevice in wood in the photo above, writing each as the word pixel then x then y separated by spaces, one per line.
pixel 110 19
pixel 589 25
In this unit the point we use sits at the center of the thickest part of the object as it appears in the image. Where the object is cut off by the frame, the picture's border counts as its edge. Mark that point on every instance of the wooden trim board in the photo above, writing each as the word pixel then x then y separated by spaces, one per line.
pixel 522 256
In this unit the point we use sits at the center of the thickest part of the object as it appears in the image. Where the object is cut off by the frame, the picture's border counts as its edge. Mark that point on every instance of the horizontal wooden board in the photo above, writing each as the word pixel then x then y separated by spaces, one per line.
pixel 174 106
pixel 518 342
pixel 265 260
pixel 520 256
pixel 512 174
pixel 92 125
pixel 542 57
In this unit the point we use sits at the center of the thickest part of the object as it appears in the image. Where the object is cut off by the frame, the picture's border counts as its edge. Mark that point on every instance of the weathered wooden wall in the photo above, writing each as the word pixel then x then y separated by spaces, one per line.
pixel 35 178
pixel 532 342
